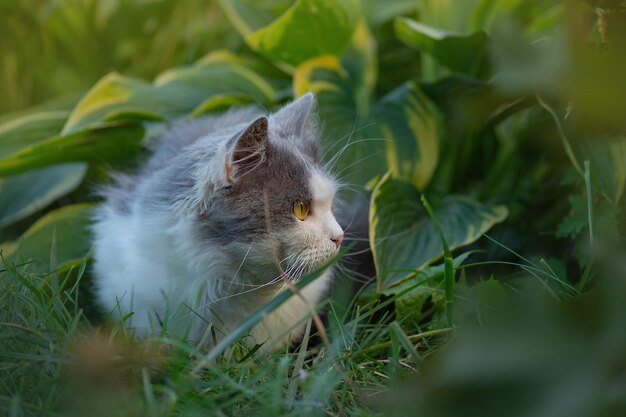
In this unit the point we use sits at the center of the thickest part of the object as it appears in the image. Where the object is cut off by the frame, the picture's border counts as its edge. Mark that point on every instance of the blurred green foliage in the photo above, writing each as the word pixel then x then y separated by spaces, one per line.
pixel 506 115
pixel 59 47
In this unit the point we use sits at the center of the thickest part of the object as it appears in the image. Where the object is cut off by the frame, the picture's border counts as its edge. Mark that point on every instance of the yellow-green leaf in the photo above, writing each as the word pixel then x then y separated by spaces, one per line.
pixel 344 91
pixel 177 92
pixel 409 123
pixel 112 142
pixel 307 29
pixel 22 195
pixel 67 226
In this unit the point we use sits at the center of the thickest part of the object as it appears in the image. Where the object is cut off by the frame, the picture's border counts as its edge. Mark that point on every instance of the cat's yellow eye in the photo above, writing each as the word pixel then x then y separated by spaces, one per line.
pixel 301 209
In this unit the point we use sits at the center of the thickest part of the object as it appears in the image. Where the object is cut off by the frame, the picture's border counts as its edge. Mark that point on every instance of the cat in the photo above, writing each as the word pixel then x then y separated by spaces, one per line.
pixel 225 210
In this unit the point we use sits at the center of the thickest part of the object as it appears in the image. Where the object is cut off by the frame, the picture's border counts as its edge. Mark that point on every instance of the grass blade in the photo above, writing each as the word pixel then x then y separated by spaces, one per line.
pixel 448 266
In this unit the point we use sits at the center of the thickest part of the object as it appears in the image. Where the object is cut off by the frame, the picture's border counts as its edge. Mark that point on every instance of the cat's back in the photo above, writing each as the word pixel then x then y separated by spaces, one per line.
pixel 184 133
pixel 167 146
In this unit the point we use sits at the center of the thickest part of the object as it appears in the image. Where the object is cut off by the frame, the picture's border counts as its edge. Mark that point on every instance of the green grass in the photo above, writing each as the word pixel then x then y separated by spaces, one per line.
pixel 55 361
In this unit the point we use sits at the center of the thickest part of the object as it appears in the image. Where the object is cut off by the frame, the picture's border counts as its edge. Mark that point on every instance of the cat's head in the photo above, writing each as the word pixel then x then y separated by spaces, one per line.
pixel 277 200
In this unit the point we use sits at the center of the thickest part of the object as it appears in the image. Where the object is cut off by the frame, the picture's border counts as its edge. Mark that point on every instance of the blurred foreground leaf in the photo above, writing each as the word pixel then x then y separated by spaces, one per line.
pixel 608 164
pixel 528 356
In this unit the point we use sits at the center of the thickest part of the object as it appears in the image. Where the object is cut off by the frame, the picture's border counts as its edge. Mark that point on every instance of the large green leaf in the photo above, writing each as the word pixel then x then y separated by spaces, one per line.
pixel 176 92
pixel 379 12
pixel 112 143
pixel 24 194
pixel 248 16
pixel 67 227
pixel 408 122
pixel 23 131
pixel 466 53
pixel 470 105
pixel 307 29
pixel 404 240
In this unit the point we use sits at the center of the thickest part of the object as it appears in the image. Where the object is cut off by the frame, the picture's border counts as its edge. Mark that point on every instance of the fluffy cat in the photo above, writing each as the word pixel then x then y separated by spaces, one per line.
pixel 224 211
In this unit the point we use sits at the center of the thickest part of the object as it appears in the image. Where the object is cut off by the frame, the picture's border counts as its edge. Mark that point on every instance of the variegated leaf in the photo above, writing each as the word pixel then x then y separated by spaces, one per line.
pixel 409 123
pixel 404 239
pixel 307 29
pixel 177 92
pixel 59 237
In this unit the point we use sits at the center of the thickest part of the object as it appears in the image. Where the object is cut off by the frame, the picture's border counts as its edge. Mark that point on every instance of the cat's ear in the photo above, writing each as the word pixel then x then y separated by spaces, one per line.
pixel 297 121
pixel 297 116
pixel 248 152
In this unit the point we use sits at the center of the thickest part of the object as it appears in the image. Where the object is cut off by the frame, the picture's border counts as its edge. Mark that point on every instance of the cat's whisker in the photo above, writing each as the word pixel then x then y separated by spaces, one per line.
pixel 257 287
pixel 354 253
pixel 354 276
pixel 348 135
pixel 356 163
pixel 234 277
pixel 345 147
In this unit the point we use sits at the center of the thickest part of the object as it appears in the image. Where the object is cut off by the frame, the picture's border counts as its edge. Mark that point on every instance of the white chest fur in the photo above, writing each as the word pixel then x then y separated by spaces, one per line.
pixel 139 270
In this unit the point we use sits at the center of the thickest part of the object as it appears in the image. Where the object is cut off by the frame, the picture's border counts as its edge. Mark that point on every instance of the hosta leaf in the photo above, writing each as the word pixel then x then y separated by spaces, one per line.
pixel 68 226
pixel 432 273
pixel 379 12
pixel 222 73
pixel 24 131
pixel 307 29
pixel 221 102
pixel 410 304
pixel 176 92
pixel 247 16
pixel 118 94
pixel 344 91
pixel 23 194
pixel 108 143
pixel 408 122
pixel 469 105
pixel 341 128
pixel 466 53
pixel 404 240
pixel 26 193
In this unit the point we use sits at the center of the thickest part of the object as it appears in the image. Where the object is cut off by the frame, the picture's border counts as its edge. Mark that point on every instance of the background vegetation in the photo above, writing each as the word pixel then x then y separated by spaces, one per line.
pixel 489 133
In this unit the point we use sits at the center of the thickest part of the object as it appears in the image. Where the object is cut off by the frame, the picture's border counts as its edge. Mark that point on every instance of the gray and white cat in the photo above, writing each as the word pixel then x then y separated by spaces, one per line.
pixel 225 210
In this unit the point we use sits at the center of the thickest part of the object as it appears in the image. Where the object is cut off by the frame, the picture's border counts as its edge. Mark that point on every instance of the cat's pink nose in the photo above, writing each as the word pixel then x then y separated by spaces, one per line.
pixel 337 240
